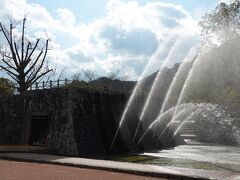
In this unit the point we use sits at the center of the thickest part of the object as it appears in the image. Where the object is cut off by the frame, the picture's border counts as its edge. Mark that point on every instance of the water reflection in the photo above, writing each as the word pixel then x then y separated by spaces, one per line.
pixel 206 157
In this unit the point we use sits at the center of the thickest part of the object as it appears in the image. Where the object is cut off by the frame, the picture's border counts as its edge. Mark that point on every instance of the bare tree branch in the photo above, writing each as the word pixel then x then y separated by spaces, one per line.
pixel 34 64
pixel 8 64
pixel 16 50
pixel 13 77
pixel 40 76
pixel 40 67
pixel 4 68
pixel 27 50
pixel 3 29
pixel 34 48
pixel 23 65
pixel 90 76
pixel 23 33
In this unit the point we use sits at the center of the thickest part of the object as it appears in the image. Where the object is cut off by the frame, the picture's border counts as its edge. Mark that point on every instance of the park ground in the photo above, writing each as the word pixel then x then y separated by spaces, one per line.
pixel 13 170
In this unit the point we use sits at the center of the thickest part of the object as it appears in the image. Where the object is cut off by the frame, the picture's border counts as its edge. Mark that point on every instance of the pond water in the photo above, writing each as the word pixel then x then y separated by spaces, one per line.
pixel 207 157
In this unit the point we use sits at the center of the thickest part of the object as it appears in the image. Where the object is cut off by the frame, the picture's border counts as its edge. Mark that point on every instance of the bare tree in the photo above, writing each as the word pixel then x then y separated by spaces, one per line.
pixel 90 76
pixel 113 75
pixel 23 60
pixel 77 77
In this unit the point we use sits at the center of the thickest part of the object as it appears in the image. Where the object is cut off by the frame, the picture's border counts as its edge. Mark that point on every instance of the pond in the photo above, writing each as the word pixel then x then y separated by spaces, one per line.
pixel 206 157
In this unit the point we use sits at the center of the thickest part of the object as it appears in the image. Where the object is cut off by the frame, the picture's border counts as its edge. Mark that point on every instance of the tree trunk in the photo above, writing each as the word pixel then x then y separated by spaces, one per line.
pixel 24 118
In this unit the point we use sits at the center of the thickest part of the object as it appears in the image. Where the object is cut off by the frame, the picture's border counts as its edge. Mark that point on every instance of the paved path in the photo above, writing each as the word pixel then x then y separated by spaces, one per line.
pixel 167 172
pixel 11 170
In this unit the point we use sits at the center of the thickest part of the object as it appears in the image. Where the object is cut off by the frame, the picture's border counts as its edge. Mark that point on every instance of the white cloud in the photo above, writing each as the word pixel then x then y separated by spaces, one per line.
pixel 66 16
pixel 124 39
pixel 225 1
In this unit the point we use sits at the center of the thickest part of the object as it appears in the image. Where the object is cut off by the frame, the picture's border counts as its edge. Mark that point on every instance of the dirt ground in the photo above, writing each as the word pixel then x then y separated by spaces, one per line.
pixel 12 170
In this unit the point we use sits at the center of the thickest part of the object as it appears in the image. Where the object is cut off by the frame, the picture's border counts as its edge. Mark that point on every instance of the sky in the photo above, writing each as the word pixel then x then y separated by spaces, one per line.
pixel 106 36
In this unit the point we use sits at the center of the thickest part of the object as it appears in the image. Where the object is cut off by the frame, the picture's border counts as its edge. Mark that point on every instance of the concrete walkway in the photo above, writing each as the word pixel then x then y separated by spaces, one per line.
pixel 123 167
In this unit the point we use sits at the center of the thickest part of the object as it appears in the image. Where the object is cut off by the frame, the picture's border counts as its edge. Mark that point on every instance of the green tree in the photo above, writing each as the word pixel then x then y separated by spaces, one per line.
pixel 6 87
pixel 226 16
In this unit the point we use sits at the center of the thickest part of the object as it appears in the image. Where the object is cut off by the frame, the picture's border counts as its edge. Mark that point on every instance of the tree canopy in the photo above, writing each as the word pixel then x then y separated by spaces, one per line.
pixel 226 16
pixel 6 87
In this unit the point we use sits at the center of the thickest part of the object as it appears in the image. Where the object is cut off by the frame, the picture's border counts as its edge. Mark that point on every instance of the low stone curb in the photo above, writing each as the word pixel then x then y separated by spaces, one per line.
pixel 122 167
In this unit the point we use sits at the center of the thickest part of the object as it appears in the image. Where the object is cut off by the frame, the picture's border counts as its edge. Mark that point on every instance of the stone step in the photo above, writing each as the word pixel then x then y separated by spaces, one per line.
pixel 187 128
pixel 192 142
pixel 187 131
pixel 186 125
pixel 188 136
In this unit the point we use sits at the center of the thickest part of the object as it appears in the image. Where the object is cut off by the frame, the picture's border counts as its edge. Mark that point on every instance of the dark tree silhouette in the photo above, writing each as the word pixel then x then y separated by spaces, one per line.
pixel 90 76
pixel 22 59
pixel 114 75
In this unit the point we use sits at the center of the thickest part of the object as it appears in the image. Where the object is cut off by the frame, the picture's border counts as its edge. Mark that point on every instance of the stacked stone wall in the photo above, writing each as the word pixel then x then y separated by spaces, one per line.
pixel 82 123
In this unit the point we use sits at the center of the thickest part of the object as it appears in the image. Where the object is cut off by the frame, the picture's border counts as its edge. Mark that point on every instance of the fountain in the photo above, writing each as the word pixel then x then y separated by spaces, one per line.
pixel 189 117
pixel 202 90
pixel 131 102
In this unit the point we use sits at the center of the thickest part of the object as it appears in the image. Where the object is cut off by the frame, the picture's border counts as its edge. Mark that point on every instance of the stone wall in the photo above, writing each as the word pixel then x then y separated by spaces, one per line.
pixel 83 122
pixel 11 123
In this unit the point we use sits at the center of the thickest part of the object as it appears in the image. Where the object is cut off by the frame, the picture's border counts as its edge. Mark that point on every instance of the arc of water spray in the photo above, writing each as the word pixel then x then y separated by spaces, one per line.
pixel 175 78
pixel 170 122
pixel 169 92
pixel 156 121
pixel 185 85
pixel 183 122
pixel 181 94
pixel 146 104
pixel 139 83
pixel 125 112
